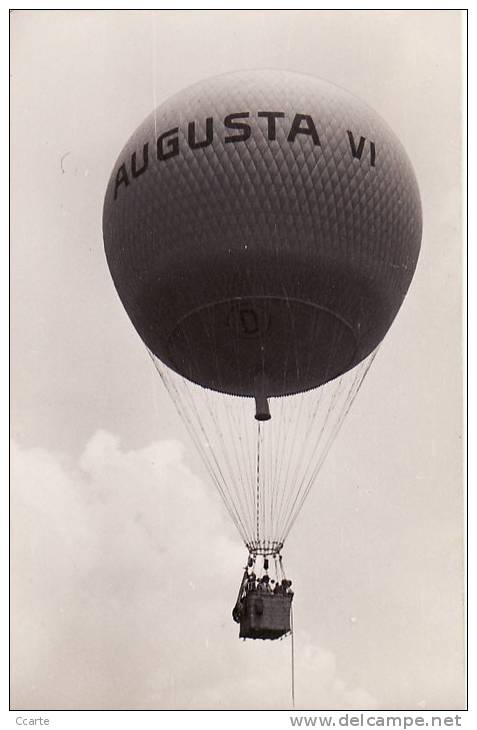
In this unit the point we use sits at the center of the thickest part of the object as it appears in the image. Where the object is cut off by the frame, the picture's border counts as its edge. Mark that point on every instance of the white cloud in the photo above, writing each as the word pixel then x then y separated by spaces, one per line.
pixel 124 573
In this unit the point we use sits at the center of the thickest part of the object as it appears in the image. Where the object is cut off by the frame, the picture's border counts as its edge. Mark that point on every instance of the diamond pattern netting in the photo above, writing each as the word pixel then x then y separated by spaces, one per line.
pixel 264 217
pixel 325 243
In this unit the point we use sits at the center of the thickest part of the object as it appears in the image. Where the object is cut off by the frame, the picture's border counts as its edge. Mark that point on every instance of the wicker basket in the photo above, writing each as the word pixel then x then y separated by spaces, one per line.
pixel 265 615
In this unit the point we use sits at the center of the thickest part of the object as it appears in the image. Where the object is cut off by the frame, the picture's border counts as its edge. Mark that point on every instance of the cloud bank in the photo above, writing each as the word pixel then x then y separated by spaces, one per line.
pixel 124 573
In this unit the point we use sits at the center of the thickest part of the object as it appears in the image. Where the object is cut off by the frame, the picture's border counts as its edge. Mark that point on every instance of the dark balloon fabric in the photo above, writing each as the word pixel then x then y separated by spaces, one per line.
pixel 262 229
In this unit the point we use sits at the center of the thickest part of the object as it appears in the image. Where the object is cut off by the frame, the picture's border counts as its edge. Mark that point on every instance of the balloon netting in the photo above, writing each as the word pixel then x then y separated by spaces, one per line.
pixel 264 470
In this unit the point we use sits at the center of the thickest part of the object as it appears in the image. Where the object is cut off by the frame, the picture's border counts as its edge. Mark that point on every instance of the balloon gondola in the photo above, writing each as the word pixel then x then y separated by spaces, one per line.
pixel 262 229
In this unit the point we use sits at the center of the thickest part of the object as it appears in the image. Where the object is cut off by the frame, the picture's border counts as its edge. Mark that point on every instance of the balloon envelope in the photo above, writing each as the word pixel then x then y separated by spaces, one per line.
pixel 262 227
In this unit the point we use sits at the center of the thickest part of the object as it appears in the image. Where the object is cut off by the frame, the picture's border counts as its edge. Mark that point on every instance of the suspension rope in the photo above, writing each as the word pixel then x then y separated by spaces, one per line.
pixel 351 395
pixel 294 494
pixel 263 471
pixel 257 499
pixel 216 473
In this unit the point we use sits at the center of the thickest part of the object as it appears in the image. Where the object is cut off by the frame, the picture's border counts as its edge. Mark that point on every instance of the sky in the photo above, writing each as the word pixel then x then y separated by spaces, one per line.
pixel 124 565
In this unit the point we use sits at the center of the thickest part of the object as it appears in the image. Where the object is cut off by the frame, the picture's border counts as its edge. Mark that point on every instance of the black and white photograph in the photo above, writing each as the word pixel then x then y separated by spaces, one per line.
pixel 237 261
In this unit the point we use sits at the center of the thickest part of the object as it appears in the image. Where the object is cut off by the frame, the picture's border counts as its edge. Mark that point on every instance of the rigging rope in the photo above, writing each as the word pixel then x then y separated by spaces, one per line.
pixel 258 485
pixel 263 471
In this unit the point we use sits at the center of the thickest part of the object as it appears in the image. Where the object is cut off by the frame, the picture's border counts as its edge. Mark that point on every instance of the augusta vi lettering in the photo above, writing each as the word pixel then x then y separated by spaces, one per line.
pixel 235 128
